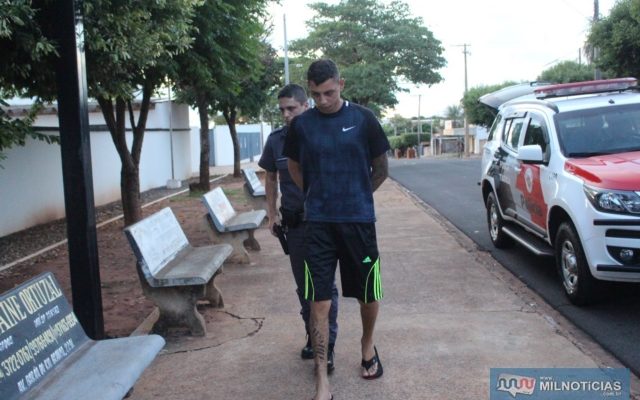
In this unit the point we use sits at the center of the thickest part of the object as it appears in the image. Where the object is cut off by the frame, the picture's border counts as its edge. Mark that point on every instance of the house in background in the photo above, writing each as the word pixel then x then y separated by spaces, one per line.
pixel 451 139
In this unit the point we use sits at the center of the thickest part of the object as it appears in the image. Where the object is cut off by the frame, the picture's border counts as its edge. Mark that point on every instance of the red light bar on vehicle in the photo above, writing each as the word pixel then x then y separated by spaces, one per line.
pixel 587 87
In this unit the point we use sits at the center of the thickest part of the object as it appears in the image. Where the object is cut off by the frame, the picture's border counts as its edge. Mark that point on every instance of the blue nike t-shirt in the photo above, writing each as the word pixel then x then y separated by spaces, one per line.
pixel 335 152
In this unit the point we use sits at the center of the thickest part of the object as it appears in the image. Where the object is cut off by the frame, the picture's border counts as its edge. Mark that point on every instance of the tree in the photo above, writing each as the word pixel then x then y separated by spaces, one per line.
pixel 251 97
pixel 478 113
pixel 376 46
pixel 25 70
pixel 616 38
pixel 454 113
pixel 567 71
pixel 224 52
pixel 397 125
pixel 129 46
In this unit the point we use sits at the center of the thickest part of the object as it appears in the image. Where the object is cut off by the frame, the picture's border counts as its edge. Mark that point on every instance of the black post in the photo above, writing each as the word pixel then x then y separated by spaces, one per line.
pixel 76 168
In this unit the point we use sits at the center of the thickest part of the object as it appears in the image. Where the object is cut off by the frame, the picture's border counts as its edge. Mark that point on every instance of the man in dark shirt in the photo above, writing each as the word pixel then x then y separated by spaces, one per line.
pixel 292 101
pixel 337 156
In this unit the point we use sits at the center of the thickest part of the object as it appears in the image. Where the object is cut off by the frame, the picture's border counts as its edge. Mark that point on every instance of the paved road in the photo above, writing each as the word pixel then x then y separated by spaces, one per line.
pixel 450 186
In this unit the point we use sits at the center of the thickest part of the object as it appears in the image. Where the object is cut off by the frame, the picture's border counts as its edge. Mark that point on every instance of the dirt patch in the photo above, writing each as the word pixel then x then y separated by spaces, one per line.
pixel 124 305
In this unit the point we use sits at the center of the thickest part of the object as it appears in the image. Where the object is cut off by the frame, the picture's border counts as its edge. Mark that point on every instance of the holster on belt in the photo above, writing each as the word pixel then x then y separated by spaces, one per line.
pixel 290 218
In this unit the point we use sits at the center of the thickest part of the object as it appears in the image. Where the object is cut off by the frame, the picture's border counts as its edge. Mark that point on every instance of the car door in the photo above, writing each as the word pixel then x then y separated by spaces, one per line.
pixel 531 206
pixel 507 164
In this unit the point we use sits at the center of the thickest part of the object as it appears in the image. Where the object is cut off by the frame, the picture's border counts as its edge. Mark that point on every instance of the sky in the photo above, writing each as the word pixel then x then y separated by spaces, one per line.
pixel 509 40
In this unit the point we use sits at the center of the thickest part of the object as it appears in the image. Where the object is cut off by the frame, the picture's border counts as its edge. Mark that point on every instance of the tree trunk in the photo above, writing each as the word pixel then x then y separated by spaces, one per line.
pixel 129 173
pixel 203 109
pixel 230 116
pixel 130 192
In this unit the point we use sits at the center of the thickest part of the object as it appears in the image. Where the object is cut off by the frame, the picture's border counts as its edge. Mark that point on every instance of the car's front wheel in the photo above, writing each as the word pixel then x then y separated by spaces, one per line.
pixel 579 285
pixel 499 239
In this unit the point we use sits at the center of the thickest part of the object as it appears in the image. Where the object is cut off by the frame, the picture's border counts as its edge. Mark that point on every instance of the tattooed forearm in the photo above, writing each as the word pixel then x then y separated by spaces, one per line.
pixel 379 171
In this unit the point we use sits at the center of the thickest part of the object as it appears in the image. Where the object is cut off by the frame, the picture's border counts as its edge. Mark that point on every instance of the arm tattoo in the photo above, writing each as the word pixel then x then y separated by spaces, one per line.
pixel 379 171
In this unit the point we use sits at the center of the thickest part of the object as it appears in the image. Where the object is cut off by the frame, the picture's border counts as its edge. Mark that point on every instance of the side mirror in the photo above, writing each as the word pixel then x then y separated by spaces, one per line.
pixel 530 154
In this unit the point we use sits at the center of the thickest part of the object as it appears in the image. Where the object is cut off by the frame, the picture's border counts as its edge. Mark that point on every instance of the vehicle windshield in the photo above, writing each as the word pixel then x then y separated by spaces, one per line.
pixel 597 131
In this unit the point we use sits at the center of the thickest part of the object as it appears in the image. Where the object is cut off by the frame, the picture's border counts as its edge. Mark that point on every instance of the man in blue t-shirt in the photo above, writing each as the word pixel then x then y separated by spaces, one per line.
pixel 337 156
pixel 292 101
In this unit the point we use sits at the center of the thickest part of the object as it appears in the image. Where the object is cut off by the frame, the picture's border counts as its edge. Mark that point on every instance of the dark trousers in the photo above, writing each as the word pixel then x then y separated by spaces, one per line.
pixel 295 239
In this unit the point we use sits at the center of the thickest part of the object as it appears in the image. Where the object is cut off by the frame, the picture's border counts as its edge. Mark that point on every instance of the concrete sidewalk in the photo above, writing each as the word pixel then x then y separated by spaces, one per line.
pixel 449 314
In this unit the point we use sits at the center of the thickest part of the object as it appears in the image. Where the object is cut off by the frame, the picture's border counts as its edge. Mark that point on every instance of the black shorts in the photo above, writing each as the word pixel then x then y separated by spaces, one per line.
pixel 355 246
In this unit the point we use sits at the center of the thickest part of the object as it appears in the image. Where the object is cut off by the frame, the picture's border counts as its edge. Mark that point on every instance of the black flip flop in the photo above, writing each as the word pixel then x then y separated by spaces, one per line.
pixel 368 364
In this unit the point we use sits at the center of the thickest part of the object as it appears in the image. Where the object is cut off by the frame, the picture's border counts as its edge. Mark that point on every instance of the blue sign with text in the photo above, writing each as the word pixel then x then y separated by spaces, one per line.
pixel 559 383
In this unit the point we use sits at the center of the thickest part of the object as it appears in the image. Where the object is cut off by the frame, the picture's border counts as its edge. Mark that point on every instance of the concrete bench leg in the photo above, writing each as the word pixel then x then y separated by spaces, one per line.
pixel 251 243
pixel 236 239
pixel 213 294
pixel 257 203
pixel 177 306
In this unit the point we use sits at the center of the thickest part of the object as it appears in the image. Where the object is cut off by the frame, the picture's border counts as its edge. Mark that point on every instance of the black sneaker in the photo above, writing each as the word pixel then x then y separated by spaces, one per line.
pixel 307 350
pixel 330 365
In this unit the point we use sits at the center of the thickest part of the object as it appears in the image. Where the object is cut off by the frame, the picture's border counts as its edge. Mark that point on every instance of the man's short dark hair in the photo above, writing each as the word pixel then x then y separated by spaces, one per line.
pixel 295 91
pixel 322 70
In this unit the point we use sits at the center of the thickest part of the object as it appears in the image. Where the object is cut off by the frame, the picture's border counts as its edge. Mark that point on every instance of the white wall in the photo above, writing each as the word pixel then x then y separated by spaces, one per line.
pixel 31 187
pixel 224 145
pixel 31 190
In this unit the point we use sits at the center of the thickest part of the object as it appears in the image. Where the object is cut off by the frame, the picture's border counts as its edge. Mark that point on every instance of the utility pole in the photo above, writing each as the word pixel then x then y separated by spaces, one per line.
pixel 466 88
pixel 419 125
pixel 579 56
pixel 286 50
pixel 596 17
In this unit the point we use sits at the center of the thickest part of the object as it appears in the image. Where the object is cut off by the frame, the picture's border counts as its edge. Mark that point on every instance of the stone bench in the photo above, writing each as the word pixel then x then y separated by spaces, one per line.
pixel 252 183
pixel 174 274
pixel 254 190
pixel 45 353
pixel 225 225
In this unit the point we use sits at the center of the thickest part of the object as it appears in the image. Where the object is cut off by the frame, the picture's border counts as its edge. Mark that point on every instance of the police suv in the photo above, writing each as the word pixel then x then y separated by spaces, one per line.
pixel 561 176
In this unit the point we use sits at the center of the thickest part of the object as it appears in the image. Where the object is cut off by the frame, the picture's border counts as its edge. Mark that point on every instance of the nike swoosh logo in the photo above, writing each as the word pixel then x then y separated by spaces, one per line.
pixel 347 129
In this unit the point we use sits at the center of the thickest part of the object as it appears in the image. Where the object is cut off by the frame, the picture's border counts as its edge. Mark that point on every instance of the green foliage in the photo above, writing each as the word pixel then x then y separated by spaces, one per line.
pixel 399 124
pixel 617 38
pixel 567 71
pixel 27 53
pixel 454 112
pixel 130 43
pixel 407 140
pixel 395 142
pixel 15 131
pixel 376 46
pixel 224 51
pixel 478 113
pixel 25 70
